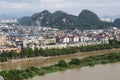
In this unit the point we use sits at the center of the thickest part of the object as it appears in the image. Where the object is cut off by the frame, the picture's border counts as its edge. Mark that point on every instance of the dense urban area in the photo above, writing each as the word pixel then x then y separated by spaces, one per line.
pixel 16 37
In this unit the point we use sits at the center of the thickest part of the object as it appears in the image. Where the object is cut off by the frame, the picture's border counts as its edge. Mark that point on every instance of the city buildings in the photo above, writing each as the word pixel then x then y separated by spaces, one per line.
pixel 45 37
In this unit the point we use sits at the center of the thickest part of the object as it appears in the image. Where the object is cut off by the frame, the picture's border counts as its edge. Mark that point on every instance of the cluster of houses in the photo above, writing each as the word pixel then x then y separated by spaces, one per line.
pixel 45 37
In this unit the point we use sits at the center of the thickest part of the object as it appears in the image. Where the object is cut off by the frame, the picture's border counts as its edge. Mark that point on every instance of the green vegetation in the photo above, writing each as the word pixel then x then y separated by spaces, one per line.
pixel 25 20
pixel 75 61
pixel 56 52
pixel 86 20
pixel 62 65
pixel 117 22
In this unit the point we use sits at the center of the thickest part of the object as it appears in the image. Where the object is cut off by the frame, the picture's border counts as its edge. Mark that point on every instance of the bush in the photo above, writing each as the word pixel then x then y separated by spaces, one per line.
pixel 3 59
pixel 62 63
pixel 105 61
pixel 91 63
pixel 75 61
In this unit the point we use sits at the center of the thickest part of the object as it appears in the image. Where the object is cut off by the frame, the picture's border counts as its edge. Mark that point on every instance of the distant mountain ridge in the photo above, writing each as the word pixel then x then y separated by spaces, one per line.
pixel 59 19
pixel 112 17
pixel 6 17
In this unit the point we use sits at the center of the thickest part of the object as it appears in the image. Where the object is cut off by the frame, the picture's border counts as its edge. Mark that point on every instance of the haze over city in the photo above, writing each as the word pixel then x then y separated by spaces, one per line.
pixel 19 8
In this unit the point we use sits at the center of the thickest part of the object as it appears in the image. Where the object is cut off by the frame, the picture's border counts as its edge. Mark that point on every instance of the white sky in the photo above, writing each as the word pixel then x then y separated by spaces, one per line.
pixel 28 7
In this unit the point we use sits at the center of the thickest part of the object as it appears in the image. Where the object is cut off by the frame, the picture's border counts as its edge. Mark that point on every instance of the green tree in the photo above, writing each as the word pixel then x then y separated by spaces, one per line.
pixel 75 61
pixel 62 63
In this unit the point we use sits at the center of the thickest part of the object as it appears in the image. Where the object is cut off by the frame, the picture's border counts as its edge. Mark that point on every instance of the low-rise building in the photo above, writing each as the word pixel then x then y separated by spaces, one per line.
pixel 2 40
pixel 8 49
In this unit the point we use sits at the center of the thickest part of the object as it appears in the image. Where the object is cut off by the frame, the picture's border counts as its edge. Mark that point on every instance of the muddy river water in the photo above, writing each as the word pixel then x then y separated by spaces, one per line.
pixel 98 72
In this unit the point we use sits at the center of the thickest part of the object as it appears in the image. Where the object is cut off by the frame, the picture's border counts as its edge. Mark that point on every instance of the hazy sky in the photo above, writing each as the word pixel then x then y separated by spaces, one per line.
pixel 28 7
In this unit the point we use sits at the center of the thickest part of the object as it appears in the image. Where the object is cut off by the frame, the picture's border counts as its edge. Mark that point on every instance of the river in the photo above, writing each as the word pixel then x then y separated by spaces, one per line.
pixel 39 62
pixel 98 72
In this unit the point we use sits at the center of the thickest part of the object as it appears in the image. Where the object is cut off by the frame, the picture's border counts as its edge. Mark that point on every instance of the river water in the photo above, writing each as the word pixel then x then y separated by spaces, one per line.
pixel 98 72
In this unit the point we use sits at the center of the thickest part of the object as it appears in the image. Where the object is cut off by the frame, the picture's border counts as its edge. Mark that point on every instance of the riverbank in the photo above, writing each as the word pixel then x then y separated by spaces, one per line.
pixel 62 65
pixel 47 61
pixel 23 59
pixel 43 58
